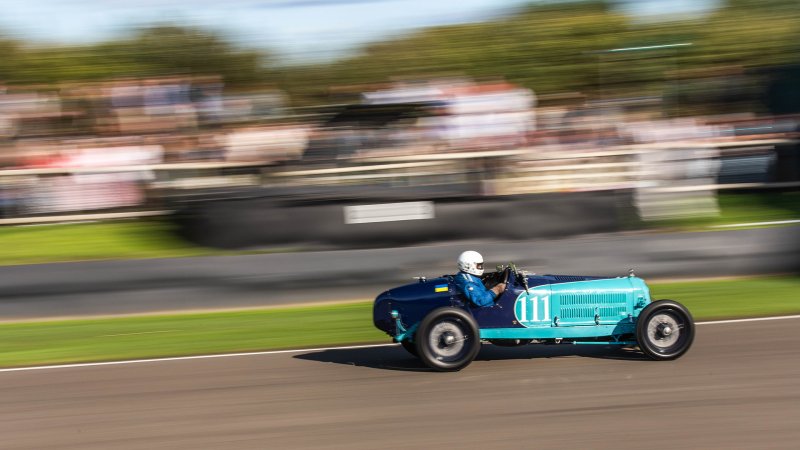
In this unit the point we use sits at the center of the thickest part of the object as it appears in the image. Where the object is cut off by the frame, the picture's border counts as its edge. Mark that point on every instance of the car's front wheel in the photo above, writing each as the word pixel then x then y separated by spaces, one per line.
pixel 447 339
pixel 664 330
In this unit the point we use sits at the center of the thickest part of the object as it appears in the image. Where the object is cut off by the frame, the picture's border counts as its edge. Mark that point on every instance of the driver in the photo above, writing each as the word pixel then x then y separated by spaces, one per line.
pixel 470 267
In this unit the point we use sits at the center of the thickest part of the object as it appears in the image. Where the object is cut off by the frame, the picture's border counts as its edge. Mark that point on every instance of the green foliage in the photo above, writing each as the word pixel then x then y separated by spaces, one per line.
pixel 555 47
pixel 547 48
pixel 550 47
pixel 159 50
pixel 165 50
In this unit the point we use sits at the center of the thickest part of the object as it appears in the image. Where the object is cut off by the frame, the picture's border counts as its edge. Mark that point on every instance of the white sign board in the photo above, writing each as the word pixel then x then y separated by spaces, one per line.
pixel 388 212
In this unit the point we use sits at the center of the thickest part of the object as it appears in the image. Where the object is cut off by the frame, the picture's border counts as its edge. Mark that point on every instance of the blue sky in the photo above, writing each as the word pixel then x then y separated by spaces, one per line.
pixel 296 29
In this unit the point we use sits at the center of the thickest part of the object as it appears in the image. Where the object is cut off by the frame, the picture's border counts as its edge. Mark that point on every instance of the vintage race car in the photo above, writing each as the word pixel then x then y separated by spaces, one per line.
pixel 434 322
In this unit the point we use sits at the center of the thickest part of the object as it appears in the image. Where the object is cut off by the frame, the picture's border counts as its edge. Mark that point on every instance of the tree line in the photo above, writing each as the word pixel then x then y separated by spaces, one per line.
pixel 548 47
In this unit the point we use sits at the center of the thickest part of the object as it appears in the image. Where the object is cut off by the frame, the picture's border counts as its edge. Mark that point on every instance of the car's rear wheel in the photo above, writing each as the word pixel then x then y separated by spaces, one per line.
pixel 664 330
pixel 447 339
pixel 410 347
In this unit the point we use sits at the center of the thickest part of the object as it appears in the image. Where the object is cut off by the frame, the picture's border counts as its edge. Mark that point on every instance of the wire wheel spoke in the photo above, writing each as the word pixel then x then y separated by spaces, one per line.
pixel 664 330
pixel 447 340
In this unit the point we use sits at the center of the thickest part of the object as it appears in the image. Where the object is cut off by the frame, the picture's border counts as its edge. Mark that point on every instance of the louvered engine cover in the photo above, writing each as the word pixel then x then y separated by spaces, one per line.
pixel 590 302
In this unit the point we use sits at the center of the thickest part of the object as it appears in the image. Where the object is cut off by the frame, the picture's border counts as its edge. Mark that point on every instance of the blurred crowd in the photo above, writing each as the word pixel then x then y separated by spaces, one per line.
pixel 90 146
pixel 115 122
pixel 101 145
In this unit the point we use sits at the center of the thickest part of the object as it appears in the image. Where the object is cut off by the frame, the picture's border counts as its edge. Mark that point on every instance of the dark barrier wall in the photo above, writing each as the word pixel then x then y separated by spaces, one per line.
pixel 774 166
pixel 787 166
pixel 266 221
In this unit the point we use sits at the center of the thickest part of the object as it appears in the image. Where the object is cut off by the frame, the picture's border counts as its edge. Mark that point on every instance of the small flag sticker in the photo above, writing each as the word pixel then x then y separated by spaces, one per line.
pixel 441 288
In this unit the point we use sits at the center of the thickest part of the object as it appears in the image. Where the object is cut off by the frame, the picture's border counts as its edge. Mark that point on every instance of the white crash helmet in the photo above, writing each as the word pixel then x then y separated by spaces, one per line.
pixel 471 262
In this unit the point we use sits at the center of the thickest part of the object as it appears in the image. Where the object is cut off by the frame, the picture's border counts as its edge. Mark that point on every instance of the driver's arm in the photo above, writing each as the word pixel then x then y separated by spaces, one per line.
pixel 476 292
pixel 498 289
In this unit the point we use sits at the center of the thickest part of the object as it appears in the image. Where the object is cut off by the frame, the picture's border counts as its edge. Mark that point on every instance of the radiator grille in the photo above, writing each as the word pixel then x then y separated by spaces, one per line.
pixel 585 306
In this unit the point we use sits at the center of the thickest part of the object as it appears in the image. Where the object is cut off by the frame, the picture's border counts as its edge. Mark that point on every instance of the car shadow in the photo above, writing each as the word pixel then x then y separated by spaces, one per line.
pixel 540 351
pixel 394 357
pixel 390 357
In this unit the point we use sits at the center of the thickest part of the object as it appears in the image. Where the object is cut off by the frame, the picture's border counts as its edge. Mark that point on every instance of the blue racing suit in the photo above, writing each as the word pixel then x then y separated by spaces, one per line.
pixel 473 289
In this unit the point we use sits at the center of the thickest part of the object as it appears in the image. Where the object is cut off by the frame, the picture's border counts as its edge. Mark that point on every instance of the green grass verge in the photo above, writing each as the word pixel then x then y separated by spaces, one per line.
pixel 54 342
pixel 87 241
pixel 722 299
pixel 67 341
pixel 742 208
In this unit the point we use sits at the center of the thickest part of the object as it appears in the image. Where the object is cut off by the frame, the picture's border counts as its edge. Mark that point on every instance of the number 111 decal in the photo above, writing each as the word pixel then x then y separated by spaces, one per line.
pixel 532 308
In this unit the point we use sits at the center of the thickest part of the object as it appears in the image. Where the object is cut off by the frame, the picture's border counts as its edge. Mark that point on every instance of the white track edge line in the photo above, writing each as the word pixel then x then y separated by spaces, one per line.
pixel 757 224
pixel 754 319
pixel 185 358
pixel 299 350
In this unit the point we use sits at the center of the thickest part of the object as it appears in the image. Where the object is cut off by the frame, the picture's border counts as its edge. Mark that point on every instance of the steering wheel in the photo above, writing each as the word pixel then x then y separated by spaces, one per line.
pixel 506 275
pixel 493 280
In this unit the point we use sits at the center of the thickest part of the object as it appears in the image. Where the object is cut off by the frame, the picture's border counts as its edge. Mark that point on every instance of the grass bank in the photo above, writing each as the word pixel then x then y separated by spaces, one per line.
pixel 55 342
pixel 93 241
pixel 735 208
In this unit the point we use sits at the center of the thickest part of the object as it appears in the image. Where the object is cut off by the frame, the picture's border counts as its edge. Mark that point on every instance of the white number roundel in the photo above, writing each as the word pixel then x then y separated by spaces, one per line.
pixel 532 308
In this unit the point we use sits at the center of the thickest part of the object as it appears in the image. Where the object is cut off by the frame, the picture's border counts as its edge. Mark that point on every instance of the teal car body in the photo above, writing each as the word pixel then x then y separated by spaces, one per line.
pixel 533 309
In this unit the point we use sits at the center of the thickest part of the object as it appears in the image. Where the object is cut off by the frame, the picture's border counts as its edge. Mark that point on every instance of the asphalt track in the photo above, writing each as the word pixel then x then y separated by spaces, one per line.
pixel 141 286
pixel 737 388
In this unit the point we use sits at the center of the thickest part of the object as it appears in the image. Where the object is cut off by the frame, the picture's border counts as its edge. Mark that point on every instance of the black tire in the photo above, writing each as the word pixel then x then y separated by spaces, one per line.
pixel 664 330
pixel 410 347
pixel 510 342
pixel 447 339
